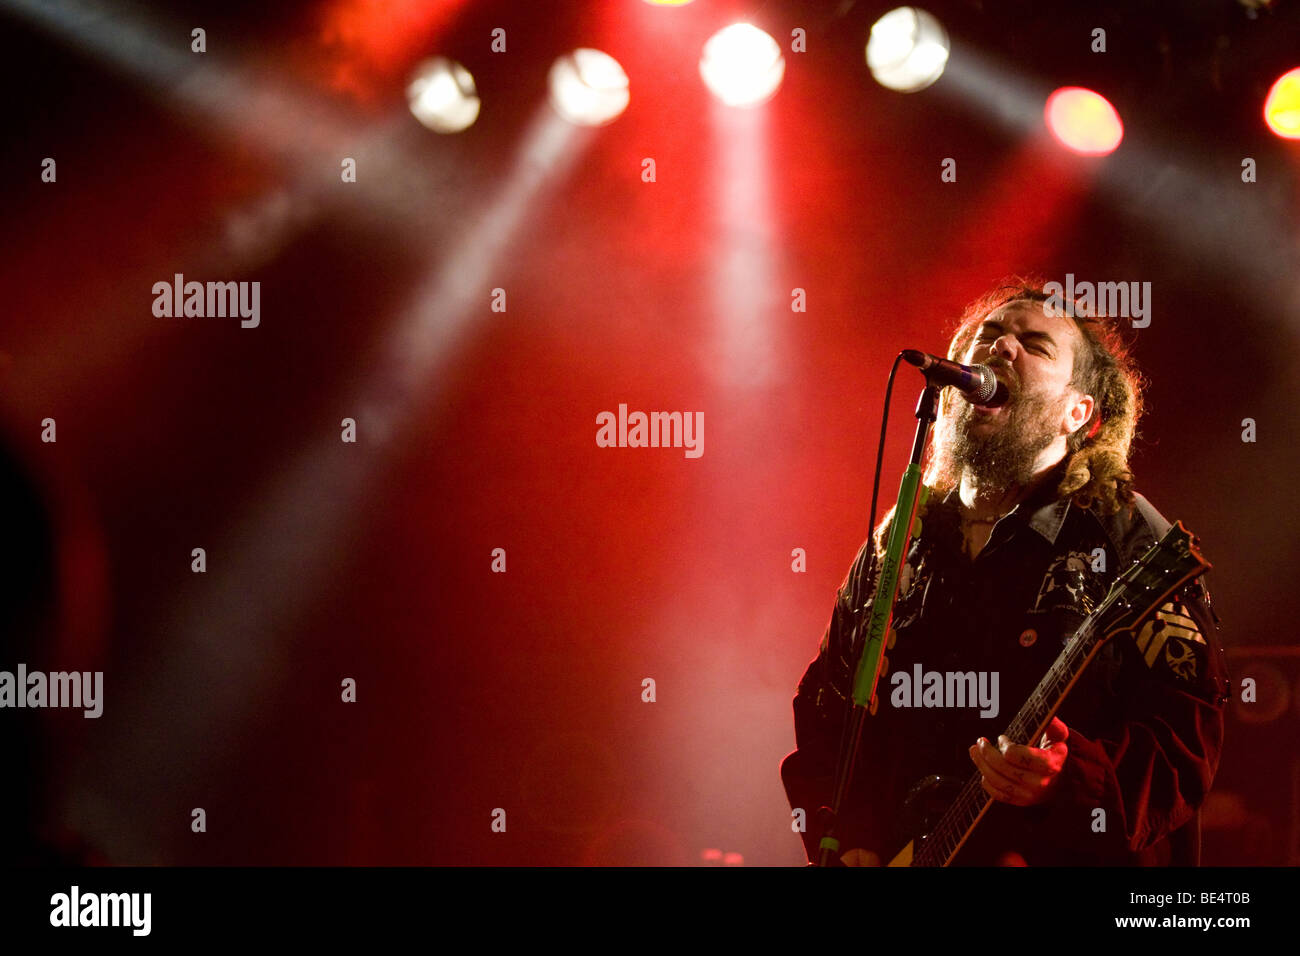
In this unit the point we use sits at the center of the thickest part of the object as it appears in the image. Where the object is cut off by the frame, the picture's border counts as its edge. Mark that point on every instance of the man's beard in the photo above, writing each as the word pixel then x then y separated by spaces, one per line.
pixel 1005 455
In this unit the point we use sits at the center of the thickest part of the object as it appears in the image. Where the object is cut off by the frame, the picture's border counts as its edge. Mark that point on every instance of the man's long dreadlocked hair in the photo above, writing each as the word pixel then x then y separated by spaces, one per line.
pixel 1097 471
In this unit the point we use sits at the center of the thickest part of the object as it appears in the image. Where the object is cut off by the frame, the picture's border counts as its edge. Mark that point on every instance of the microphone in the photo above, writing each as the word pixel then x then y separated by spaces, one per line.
pixel 976 382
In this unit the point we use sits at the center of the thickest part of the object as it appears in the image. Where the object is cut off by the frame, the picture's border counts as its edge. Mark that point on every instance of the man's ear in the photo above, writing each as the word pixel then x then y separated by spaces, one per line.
pixel 1079 411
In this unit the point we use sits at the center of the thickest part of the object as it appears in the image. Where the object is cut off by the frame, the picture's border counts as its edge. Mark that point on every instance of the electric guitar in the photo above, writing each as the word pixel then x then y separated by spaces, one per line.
pixel 1134 596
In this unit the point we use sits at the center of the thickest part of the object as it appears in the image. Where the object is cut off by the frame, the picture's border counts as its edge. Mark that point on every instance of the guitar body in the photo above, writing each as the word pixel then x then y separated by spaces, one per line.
pixel 923 808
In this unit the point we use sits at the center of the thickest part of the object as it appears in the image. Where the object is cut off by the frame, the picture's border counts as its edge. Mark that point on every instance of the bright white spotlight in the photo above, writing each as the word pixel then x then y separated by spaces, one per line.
pixel 907 50
pixel 441 94
pixel 588 87
pixel 742 65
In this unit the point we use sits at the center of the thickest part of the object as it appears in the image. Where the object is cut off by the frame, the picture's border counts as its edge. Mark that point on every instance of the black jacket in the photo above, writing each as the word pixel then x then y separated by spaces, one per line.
pixel 1145 721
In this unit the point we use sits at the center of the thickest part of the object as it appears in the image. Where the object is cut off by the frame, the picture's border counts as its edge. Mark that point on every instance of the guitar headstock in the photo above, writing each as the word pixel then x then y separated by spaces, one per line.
pixel 1169 564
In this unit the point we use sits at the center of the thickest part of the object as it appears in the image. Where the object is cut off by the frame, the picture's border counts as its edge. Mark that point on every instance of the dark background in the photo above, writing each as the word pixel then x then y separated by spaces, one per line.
pixel 476 428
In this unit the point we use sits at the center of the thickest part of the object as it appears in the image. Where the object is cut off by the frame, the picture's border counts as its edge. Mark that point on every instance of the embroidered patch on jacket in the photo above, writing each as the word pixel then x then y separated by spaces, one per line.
pixel 1173 631
pixel 1066 583
pixel 1180 657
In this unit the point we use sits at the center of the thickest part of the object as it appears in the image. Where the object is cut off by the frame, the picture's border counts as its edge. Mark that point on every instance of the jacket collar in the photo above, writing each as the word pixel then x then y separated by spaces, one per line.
pixel 1042 510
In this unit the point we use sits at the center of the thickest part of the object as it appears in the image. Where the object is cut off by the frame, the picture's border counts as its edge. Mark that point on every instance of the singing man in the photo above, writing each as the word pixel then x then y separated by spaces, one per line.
pixel 1030 515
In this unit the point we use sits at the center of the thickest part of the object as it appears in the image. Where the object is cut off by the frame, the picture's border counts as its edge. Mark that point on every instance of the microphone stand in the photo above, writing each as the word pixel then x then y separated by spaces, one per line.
pixel 872 660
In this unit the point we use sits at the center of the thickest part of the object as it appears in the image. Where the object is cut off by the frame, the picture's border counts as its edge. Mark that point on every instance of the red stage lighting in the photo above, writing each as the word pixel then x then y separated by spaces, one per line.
pixel 1083 121
pixel 1282 106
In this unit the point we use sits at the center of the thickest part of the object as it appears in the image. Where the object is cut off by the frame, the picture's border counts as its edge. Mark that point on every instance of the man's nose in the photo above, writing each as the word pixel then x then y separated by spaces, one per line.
pixel 1005 346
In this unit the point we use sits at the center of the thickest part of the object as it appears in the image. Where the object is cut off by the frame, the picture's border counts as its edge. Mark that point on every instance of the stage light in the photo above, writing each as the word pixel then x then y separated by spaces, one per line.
pixel 441 94
pixel 668 3
pixel 588 87
pixel 1282 106
pixel 1083 121
pixel 907 50
pixel 742 65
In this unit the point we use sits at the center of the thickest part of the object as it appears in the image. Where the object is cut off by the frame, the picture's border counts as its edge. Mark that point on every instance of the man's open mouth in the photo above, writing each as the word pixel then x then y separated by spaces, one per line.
pixel 1001 398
